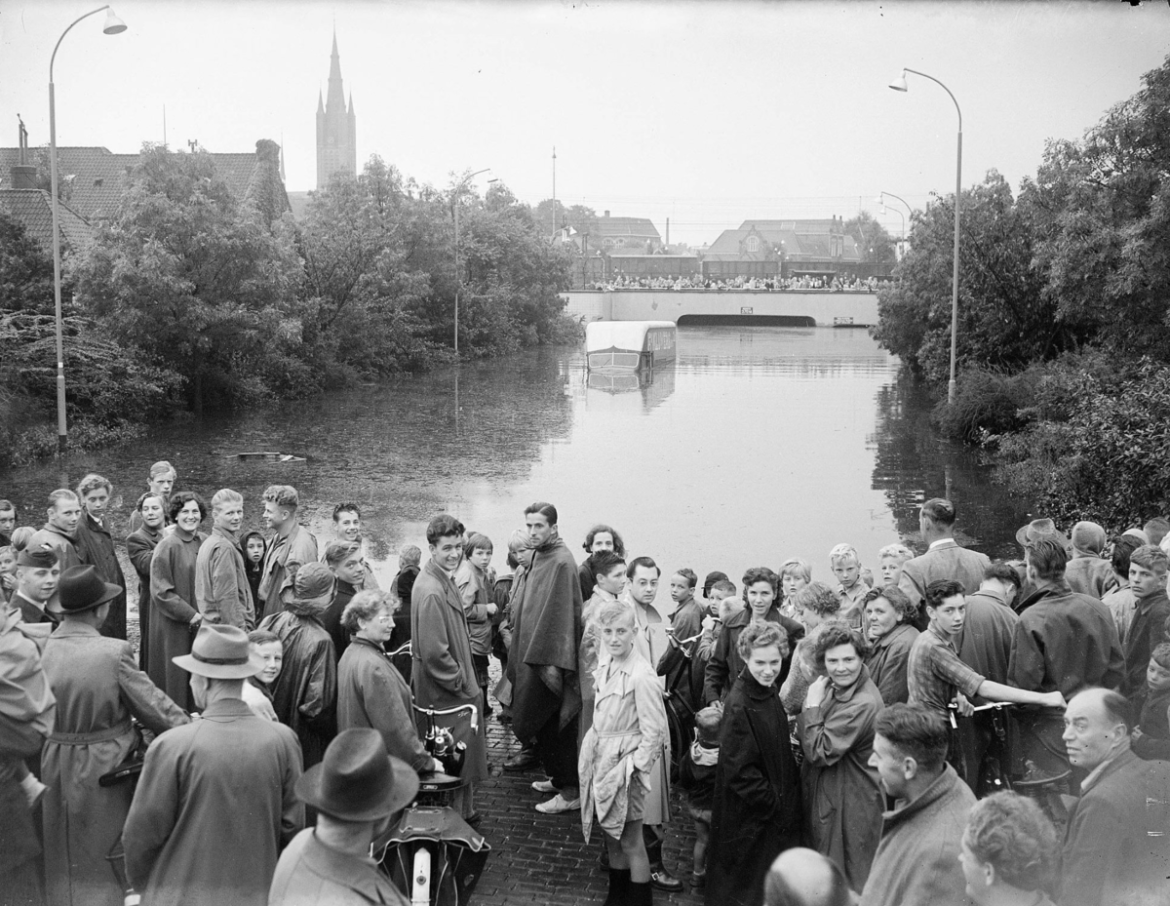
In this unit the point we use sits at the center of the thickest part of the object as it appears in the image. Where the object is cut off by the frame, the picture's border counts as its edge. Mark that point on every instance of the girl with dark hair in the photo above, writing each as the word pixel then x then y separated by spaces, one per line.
pixel 175 616
pixel 254 547
pixel 599 538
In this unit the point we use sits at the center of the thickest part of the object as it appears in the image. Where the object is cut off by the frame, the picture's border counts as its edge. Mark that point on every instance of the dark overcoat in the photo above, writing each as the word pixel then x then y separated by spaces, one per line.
pixel 140 545
pixel 372 693
pixel 756 812
pixel 216 802
pixel 443 672
pixel 96 545
pixel 304 695
pixel 172 599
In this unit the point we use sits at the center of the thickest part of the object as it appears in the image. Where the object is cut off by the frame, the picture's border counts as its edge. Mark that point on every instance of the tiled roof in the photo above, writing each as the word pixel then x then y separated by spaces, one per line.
pixel 100 178
pixel 625 228
pixel 794 226
pixel 32 207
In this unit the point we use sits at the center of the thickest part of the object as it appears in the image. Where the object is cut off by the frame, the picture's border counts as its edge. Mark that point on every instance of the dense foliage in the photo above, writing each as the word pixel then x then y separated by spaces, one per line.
pixel 190 297
pixel 1064 307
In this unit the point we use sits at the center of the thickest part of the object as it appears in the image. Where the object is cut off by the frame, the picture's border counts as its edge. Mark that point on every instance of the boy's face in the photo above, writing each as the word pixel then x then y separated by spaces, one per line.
pixel 847 571
pixel 949 615
pixel 792 582
pixel 481 557
pixel 95 502
pixel 891 570
pixel 7 563
pixel 1145 582
pixel 618 638
pixel 614 581
pixel 1157 677
pixel 680 589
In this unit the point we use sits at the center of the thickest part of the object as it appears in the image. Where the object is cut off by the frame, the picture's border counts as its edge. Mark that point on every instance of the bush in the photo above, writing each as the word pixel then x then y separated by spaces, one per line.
pixel 987 403
pixel 1107 461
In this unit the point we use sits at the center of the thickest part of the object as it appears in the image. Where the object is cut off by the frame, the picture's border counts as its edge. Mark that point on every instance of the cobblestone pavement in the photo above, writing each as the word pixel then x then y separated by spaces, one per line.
pixel 543 859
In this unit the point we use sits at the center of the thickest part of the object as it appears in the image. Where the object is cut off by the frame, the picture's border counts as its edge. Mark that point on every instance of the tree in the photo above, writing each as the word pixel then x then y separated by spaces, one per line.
pixel 26 270
pixel 191 278
pixel 1101 211
pixel 873 242
pixel 1005 321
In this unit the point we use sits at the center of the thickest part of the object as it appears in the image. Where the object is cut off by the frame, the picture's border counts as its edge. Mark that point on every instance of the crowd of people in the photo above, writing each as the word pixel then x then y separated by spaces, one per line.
pixel 838 283
pixel 829 738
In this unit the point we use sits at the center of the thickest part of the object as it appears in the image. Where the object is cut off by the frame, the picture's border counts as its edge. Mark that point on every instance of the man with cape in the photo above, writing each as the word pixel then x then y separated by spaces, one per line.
pixel 542 663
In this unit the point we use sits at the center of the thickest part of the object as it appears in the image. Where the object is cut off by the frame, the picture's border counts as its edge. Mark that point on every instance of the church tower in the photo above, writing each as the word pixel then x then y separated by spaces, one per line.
pixel 336 127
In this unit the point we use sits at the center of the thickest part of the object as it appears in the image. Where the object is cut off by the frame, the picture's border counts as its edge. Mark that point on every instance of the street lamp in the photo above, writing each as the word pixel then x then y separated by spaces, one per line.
pixel 113 26
pixel 899 84
pixel 455 195
pixel 881 200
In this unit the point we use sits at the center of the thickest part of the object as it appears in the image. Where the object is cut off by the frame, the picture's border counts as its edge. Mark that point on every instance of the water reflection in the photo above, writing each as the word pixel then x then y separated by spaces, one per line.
pixel 913 463
pixel 655 384
pixel 759 444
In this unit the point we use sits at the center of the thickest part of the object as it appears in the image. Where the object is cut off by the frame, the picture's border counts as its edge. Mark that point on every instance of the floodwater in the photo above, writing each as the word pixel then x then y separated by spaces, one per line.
pixel 758 444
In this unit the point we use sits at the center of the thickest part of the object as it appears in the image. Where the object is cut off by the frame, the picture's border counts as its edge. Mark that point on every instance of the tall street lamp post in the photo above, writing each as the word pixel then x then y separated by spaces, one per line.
pixel 112 26
pixel 456 193
pixel 899 84
pixel 881 200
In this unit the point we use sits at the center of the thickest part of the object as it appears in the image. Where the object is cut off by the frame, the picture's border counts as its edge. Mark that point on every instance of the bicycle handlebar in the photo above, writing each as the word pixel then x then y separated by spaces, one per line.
pixel 401 649
pixel 433 712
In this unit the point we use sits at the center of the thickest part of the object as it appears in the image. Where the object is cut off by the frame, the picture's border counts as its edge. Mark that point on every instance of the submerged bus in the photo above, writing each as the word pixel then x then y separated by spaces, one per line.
pixel 629 345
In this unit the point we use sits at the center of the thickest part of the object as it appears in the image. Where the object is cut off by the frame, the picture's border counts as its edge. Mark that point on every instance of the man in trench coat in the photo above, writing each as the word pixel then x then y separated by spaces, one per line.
pixel 443 673
pixel 217 799
pixel 99 688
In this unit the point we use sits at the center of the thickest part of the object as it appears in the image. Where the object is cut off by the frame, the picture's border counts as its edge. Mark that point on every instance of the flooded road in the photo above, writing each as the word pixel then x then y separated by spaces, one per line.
pixel 756 445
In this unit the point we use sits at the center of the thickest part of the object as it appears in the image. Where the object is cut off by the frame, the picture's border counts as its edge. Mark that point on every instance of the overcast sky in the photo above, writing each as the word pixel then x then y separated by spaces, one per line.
pixel 703 112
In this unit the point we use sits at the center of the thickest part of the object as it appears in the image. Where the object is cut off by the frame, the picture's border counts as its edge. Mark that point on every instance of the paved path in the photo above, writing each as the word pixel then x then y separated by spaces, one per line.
pixel 543 859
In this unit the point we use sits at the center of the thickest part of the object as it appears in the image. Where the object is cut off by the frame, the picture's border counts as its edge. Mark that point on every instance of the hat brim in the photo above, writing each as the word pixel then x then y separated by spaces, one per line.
pixel 401 793
pixel 54 607
pixel 220 671
pixel 1022 536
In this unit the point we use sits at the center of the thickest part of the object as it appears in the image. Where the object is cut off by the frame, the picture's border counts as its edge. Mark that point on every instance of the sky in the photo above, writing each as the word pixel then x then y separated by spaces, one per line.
pixel 703 112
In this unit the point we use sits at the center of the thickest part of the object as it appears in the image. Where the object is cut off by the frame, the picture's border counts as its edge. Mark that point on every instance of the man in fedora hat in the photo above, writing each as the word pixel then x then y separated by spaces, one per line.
pixel 944 558
pixel 217 798
pixel 37 575
pixel 357 789
pixel 99 688
pixel 305 694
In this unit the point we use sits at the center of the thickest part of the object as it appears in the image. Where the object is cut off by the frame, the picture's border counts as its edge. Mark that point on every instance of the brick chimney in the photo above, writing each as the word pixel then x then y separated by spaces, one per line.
pixel 24 176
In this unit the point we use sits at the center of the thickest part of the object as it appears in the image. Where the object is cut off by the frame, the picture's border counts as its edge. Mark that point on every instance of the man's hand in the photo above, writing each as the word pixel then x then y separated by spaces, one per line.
pixel 1053 700
pixel 965 708
pixel 492 610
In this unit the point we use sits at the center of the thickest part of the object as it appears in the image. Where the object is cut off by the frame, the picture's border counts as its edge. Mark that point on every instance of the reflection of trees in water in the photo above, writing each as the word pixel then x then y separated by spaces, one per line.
pixel 913 463
pixel 406 448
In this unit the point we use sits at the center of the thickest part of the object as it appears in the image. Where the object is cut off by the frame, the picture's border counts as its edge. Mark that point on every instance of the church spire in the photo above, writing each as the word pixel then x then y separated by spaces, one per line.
pixel 336 125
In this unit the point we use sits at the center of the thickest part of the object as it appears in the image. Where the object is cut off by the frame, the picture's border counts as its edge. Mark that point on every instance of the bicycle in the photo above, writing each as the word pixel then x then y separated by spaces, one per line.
pixel 431 854
pixel 1006 766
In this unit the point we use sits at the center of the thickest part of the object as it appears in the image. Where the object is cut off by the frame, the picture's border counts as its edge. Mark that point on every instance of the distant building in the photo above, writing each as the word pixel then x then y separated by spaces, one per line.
pixel 32 208
pixel 93 180
pixel 762 248
pixel 336 128
pixel 624 232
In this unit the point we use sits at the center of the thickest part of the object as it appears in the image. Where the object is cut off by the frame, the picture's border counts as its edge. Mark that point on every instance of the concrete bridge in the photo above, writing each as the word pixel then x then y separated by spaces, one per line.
pixel 786 308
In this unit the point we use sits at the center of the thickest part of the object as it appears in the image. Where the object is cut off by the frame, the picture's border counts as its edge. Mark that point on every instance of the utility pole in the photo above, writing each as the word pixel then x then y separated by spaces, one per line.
pixel 554 198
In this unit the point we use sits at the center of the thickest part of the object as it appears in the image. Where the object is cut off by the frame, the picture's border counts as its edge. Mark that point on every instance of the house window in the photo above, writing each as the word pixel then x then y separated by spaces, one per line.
pixel 753 243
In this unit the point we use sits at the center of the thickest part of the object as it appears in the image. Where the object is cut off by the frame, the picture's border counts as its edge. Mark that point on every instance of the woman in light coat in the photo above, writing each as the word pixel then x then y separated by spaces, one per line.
pixel 619 752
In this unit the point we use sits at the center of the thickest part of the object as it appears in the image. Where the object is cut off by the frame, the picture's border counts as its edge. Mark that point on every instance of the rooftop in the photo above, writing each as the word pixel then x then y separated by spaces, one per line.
pixel 33 208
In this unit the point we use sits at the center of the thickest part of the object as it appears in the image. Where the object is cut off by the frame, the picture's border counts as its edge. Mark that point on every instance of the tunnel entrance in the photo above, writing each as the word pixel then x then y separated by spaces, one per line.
pixel 738 320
